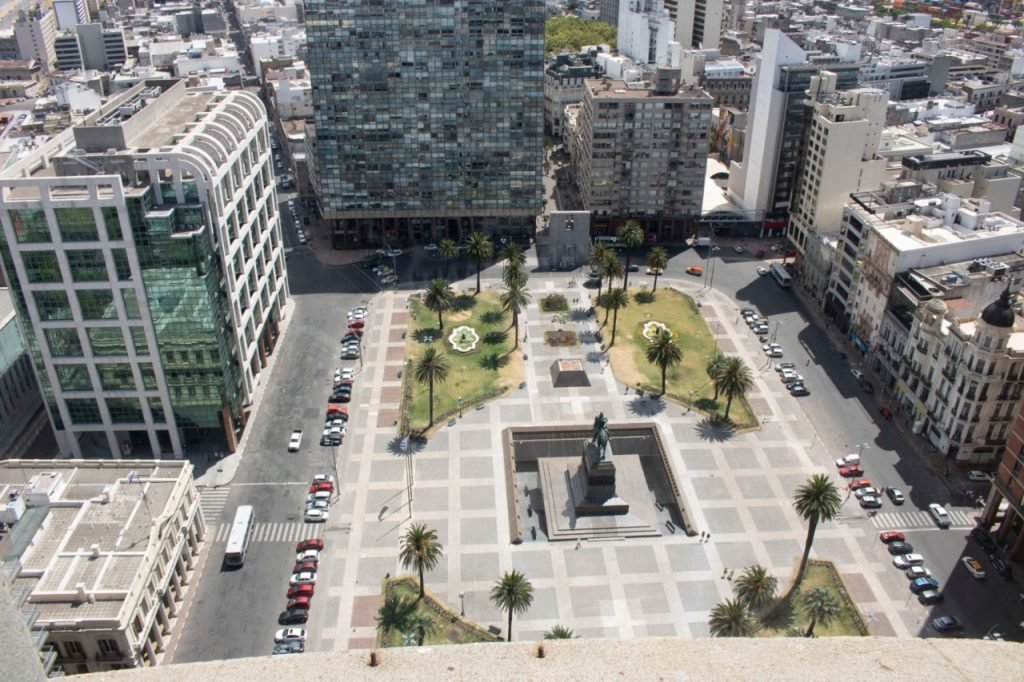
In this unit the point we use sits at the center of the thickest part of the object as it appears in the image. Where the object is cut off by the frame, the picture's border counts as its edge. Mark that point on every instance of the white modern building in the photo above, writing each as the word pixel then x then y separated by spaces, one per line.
pixel 105 551
pixel 647 32
pixel 699 23
pixel 144 249
pixel 34 32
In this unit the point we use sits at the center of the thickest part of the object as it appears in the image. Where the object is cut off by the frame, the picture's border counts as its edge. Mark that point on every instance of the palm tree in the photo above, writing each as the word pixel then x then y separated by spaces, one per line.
pixel 756 588
pixel 615 300
pixel 657 260
pixel 598 256
pixel 514 276
pixel 439 298
pixel 448 250
pixel 732 619
pixel 512 254
pixel 396 613
pixel 514 299
pixel 420 549
pixel 734 381
pixel 513 593
pixel 480 249
pixel 431 367
pixel 560 632
pixel 664 352
pixel 632 236
pixel 816 500
pixel 821 606
pixel 714 370
pixel 611 268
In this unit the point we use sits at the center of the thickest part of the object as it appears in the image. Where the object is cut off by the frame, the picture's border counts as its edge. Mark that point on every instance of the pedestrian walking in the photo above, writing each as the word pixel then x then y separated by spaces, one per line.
pixel 708 538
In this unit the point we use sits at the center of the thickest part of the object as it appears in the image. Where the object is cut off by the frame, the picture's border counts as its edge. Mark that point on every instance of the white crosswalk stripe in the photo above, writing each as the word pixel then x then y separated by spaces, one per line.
pixel 919 519
pixel 270 531
pixel 212 501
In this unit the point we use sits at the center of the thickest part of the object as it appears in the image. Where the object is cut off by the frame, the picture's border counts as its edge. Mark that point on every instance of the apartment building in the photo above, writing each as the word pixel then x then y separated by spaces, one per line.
pixel 105 551
pixel 642 153
pixel 1004 508
pixel 565 83
pixel 143 248
pixel 699 23
pixel 34 33
pixel 446 137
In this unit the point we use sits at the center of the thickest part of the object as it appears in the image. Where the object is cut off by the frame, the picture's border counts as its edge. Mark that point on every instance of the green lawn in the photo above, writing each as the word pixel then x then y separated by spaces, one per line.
pixel 849 623
pixel 448 627
pixel 682 317
pixel 475 376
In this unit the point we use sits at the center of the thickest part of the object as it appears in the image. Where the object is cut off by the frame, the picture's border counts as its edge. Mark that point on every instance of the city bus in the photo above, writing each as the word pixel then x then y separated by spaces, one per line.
pixel 781 276
pixel 241 532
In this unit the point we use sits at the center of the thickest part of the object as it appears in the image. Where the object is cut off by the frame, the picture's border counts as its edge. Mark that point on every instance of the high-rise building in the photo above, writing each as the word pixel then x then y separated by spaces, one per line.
pixel 642 153
pixel 1004 508
pixel 699 23
pixel 429 117
pixel 20 403
pixel 143 249
pixel 34 31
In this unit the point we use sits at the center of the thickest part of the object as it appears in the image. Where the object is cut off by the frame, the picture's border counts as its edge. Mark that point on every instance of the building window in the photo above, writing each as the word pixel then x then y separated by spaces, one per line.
pixel 156 409
pixel 139 341
pixel 41 267
pixel 122 265
pixel 131 304
pixel 108 647
pixel 77 224
pixel 73 649
pixel 30 225
pixel 97 304
pixel 87 266
pixel 125 410
pixel 84 411
pixel 116 376
pixel 113 223
pixel 52 305
pixel 73 377
pixel 148 376
pixel 63 343
pixel 107 341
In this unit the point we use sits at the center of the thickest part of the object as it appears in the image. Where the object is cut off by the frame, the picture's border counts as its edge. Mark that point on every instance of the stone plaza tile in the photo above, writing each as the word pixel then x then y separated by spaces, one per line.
pixel 699 459
pixel 364 609
pixel 835 549
pixel 755 487
pixel 545 605
pixel 476 497
pixel 781 457
pixel 700 595
pixel 478 531
pixel 391 394
pixel 372 569
pixel 396 335
pixel 388 470
pixel 476 439
pixel 645 599
pixel 516 413
pixel 480 566
pixel 431 468
pixel 476 467
pixel 687 557
pixel 598 632
pixel 395 356
pixel 741 459
pixel 858 587
pixel 387 417
pixel 535 564
pixel 734 555
pixel 688 433
pixel 769 518
pixel 432 498
pixel 591 600
pixel 784 552
pixel 708 488
pixel 636 560
pixel 655 630
pixel 586 561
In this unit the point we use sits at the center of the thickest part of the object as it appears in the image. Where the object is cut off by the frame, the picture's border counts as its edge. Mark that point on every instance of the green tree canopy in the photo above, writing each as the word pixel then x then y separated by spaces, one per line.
pixel 572 33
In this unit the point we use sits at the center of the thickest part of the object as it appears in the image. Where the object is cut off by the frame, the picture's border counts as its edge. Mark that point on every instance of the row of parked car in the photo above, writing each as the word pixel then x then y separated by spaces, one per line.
pixel 303 237
pixel 301 587
pixel 352 339
pixel 336 421
pixel 319 499
pixel 921 583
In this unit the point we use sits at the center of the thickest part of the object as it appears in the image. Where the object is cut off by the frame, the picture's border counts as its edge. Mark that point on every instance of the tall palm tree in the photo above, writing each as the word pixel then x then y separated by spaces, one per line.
pixel 664 352
pixel 560 632
pixel 732 619
pixel 420 549
pixel 439 298
pixel 632 236
pixel 514 276
pixel 448 250
pixel 657 260
pixel 396 613
pixel 598 255
pixel 714 370
pixel 431 367
pixel 821 607
pixel 480 249
pixel 816 500
pixel 514 594
pixel 611 268
pixel 615 300
pixel 512 254
pixel 756 588
pixel 734 381
pixel 512 300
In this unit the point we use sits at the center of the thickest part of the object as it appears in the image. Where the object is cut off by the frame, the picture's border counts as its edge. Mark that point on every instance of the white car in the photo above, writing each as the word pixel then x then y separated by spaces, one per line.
pixel 308 555
pixel 323 478
pixel 289 635
pixel 973 567
pixel 316 515
pixel 431 248
pixel 738 249
pixel 304 578
pixel 868 491
pixel 296 441
pixel 940 515
pixel 905 561
pixel 762 270
pixel 848 460
pixel 345 373
pixel 857 374
pixel 915 572
pixel 653 271
pixel 978 476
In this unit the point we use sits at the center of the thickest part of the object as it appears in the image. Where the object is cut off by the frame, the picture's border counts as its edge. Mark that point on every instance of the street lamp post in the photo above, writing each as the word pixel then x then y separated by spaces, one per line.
pixel 689 403
pixel 860 448
pixel 460 407
pixel 462 600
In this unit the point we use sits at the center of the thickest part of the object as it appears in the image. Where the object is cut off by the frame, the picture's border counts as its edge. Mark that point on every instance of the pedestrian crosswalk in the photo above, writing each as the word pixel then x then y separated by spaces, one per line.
pixel 212 501
pixel 290 531
pixel 919 519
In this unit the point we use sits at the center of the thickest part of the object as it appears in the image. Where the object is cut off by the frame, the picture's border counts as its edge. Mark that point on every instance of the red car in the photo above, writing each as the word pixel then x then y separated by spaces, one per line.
pixel 304 590
pixel 860 483
pixel 305 567
pixel 322 485
pixel 298 603
pixel 851 471
pixel 310 543
pixel 336 412
pixel 888 536
pixel 354 329
pixel 356 324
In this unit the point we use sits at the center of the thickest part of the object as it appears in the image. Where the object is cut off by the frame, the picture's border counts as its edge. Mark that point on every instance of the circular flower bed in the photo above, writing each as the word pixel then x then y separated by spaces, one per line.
pixel 464 339
pixel 653 328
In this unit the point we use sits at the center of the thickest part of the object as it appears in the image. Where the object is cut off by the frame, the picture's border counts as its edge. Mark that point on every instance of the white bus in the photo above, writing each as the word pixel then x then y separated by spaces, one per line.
pixel 238 540
pixel 608 240
pixel 781 276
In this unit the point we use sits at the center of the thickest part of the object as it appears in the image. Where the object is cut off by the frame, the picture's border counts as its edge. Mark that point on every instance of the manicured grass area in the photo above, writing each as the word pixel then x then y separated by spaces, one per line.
pixel 679 313
pixel 475 376
pixel 448 627
pixel 848 624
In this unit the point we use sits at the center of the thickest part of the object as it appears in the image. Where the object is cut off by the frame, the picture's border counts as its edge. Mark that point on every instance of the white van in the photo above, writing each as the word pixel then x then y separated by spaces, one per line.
pixel 940 515
pixel 848 461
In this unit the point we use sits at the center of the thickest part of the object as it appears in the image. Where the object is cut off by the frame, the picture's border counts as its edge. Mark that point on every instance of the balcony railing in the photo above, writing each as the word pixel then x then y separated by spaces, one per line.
pixel 109 656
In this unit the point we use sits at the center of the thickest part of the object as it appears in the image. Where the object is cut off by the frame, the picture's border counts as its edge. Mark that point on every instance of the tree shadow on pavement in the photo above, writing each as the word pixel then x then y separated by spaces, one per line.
pixel 413 445
pixel 647 406
pixel 714 433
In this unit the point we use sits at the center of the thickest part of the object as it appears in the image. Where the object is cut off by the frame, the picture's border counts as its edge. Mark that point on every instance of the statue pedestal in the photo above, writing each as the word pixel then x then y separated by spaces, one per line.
pixel 594 490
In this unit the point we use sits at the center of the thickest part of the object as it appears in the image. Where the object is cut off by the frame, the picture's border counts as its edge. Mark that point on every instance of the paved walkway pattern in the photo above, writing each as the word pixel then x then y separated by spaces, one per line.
pixel 740 490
